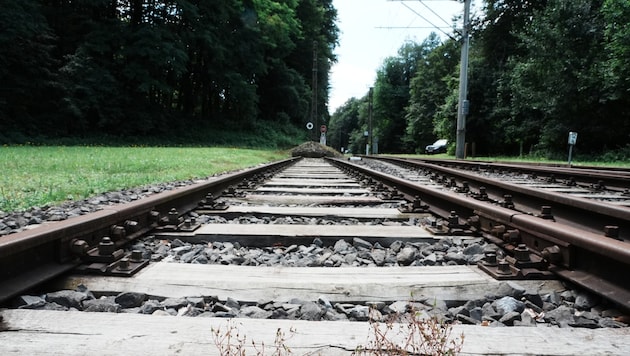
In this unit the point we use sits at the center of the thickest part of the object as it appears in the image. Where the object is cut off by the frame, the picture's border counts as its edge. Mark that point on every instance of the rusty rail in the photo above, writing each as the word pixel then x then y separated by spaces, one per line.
pixel 591 260
pixel 31 257
pixel 584 213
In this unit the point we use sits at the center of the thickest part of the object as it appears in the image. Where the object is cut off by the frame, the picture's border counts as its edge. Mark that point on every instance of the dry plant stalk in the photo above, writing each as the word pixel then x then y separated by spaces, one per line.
pixel 231 342
pixel 411 334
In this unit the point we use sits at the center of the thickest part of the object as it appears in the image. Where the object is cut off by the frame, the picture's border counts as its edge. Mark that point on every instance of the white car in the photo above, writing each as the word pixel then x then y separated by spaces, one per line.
pixel 438 146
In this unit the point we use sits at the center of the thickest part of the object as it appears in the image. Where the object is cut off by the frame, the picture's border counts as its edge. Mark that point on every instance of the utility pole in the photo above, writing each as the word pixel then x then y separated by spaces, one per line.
pixel 462 105
pixel 314 93
pixel 370 133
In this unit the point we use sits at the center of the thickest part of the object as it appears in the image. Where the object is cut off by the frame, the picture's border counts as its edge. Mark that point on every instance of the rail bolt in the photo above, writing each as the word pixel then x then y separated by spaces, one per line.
pixel 611 231
pixel 154 216
pixel 490 259
pixel 131 226
pixel 521 253
pixel 474 221
pixel 507 201
pixel 79 247
pixel 498 231
pixel 136 255
pixel 117 232
pixel 453 219
pixel 545 212
pixel 417 202
pixel 189 223
pixel 504 268
pixel 552 254
pixel 123 264
pixel 209 197
pixel 173 216
pixel 106 246
pixel 512 236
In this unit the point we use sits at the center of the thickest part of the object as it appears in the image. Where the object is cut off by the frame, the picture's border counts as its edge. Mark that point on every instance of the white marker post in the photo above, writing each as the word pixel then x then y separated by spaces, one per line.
pixel 572 141
pixel 322 135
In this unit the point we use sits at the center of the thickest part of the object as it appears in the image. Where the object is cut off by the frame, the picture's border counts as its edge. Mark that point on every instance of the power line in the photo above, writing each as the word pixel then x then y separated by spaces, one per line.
pixel 434 13
pixel 408 27
pixel 430 23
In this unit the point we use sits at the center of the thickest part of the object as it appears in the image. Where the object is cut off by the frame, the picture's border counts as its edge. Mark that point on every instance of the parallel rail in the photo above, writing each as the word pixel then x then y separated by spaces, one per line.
pixel 32 257
pixel 586 258
pixel 590 260
pixel 585 214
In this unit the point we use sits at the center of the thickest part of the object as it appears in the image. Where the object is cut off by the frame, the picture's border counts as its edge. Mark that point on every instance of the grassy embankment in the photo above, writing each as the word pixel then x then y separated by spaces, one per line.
pixel 42 175
pixel 37 176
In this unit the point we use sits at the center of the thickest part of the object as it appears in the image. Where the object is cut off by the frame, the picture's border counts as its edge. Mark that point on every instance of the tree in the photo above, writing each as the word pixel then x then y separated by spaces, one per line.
pixel 343 122
pixel 29 89
pixel 391 94
pixel 433 83
pixel 555 82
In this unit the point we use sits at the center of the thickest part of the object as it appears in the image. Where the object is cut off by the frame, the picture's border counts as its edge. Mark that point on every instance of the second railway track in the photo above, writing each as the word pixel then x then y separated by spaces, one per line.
pixel 314 239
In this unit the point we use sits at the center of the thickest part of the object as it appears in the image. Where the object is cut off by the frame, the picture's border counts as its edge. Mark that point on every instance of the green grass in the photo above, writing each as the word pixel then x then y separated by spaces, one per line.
pixel 37 176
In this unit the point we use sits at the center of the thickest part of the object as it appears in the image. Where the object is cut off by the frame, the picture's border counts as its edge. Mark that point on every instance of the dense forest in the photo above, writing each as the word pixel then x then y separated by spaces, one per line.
pixel 537 70
pixel 140 67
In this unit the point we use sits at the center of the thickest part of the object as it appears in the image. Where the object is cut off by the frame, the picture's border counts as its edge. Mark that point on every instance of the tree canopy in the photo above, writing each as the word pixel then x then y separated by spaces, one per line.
pixel 537 70
pixel 134 67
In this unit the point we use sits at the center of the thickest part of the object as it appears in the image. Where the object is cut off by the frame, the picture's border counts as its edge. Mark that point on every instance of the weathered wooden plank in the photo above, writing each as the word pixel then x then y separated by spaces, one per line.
pixel 37 333
pixel 309 199
pixel 342 284
pixel 340 212
pixel 311 231
pixel 313 182
pixel 312 191
pixel 262 235
pixel 313 175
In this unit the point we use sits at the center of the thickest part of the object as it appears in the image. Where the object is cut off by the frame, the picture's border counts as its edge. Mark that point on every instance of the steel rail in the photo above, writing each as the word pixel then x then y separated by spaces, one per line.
pixel 593 261
pixel 591 215
pixel 617 177
pixel 32 257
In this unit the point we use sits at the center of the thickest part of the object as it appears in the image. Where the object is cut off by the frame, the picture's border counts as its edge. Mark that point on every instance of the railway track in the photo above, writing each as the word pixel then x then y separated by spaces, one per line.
pixel 568 239
pixel 237 242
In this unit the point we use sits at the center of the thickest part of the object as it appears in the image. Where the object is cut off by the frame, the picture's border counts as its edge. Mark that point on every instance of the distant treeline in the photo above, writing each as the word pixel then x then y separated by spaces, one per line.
pixel 137 67
pixel 538 70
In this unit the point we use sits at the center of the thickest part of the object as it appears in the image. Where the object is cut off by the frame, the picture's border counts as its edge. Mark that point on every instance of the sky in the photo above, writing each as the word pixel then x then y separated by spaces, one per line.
pixel 366 38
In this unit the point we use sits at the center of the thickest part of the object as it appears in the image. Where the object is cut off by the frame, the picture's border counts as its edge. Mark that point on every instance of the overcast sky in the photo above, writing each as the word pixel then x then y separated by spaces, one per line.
pixel 366 40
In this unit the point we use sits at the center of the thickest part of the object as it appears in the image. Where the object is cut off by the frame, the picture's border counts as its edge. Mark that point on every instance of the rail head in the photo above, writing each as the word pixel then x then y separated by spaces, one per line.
pixel 65 243
pixel 567 251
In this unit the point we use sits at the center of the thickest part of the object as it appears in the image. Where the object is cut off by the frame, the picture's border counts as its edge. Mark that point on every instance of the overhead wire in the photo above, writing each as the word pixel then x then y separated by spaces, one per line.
pixel 429 22
pixel 433 12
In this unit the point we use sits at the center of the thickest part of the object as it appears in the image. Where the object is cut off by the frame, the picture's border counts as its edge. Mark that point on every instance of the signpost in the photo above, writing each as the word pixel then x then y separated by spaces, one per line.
pixel 572 141
pixel 322 134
